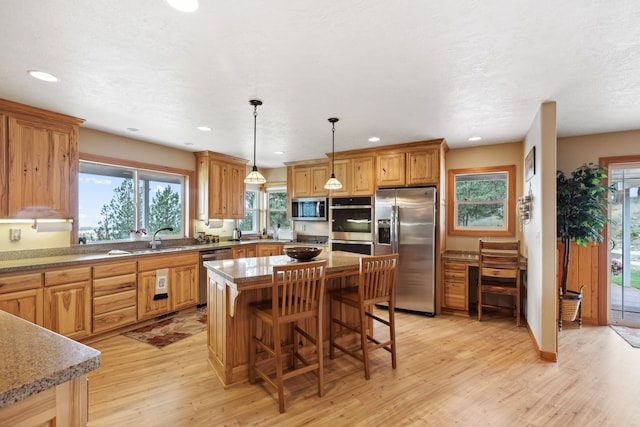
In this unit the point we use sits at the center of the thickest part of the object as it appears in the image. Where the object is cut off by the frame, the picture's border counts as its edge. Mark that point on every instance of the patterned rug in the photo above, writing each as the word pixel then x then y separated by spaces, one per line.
pixel 630 335
pixel 172 329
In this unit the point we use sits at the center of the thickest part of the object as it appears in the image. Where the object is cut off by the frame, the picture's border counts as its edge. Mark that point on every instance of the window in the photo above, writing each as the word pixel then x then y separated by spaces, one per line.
pixel 251 209
pixel 481 201
pixel 277 209
pixel 114 200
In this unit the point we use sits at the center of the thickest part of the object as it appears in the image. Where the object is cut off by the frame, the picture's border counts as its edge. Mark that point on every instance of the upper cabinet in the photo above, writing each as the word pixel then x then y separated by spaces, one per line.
pixel 363 171
pixel 309 180
pixel 38 163
pixel 414 166
pixel 220 186
pixel 356 175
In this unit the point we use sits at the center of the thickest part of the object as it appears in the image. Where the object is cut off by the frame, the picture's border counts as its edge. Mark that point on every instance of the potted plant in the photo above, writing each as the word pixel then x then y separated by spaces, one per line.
pixel 137 234
pixel 582 200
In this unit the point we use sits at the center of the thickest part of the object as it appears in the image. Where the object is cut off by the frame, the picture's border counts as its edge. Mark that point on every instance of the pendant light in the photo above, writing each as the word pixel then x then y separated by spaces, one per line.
pixel 333 183
pixel 254 176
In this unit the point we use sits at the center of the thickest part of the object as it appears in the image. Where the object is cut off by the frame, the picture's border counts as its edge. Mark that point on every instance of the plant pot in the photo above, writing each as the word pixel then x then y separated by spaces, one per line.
pixel 571 301
pixel 570 307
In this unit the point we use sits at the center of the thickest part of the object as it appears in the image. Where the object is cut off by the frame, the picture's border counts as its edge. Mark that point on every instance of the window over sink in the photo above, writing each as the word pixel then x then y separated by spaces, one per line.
pixel 117 199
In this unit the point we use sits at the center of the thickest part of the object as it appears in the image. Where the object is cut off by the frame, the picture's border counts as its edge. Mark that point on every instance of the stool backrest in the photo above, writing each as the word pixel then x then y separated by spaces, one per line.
pixel 377 278
pixel 300 289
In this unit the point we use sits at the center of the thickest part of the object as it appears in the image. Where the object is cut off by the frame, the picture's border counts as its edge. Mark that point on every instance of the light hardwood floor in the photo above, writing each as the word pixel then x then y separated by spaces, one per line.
pixel 451 371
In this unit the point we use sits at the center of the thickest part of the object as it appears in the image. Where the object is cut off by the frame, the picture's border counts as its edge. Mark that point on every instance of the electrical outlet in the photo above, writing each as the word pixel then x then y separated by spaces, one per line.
pixel 14 234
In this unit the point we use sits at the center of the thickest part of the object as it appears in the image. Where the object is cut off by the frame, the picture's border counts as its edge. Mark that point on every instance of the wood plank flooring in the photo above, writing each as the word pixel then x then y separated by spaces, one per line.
pixel 451 371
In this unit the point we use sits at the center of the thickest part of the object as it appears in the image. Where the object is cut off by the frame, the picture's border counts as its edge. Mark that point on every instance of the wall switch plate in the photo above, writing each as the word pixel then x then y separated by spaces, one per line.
pixel 14 234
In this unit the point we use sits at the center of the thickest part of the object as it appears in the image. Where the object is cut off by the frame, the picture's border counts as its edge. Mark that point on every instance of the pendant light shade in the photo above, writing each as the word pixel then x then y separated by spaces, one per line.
pixel 333 183
pixel 254 176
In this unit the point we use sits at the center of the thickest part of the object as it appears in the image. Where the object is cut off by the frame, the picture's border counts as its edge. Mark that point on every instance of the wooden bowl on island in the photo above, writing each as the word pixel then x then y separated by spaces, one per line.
pixel 302 253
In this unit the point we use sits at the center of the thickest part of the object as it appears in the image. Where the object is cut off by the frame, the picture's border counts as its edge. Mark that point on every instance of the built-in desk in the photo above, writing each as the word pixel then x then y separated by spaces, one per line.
pixel 460 282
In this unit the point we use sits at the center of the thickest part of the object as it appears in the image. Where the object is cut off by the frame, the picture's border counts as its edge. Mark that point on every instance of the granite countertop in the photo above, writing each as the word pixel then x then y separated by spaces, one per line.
pixel 253 270
pixel 34 359
pixel 38 259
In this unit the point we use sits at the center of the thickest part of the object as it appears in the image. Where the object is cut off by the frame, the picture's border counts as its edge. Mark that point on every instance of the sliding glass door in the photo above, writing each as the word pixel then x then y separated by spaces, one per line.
pixel 624 245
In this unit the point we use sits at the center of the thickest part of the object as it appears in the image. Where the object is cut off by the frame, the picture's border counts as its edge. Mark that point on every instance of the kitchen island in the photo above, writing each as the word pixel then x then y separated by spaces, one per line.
pixel 234 284
pixel 43 375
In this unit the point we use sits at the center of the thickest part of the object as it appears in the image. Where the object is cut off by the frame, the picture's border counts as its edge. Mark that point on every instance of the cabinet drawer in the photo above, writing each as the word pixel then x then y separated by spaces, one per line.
pixel 114 319
pixel 113 302
pixel 110 285
pixel 107 270
pixel 455 275
pixel 20 283
pixel 69 275
pixel 158 261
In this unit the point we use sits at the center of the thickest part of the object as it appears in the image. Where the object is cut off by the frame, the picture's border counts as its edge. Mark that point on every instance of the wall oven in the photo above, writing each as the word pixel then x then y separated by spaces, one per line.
pixel 351 224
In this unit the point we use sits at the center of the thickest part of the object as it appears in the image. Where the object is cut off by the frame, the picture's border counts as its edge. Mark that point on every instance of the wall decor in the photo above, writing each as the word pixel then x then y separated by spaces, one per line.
pixel 530 164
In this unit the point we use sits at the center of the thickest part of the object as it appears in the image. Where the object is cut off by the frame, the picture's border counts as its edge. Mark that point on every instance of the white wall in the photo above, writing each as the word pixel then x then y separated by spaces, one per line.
pixel 540 233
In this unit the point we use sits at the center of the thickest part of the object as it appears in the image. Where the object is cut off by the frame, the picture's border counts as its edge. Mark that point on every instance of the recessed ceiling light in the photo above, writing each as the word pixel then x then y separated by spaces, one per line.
pixel 204 128
pixel 133 129
pixel 374 139
pixel 41 75
pixel 475 138
pixel 278 152
pixel 184 5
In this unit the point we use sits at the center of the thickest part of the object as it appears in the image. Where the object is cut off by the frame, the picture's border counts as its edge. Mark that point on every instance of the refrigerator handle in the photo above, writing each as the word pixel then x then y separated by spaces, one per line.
pixel 394 229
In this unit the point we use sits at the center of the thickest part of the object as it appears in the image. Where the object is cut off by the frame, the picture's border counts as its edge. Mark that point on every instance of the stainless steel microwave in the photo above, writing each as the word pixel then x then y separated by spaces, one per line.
pixel 309 209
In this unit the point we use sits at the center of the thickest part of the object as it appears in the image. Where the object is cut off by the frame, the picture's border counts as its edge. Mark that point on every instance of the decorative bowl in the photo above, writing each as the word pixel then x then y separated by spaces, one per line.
pixel 302 253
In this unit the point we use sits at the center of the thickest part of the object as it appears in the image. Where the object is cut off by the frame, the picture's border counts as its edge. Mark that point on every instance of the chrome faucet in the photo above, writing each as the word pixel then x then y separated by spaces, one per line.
pixel 157 243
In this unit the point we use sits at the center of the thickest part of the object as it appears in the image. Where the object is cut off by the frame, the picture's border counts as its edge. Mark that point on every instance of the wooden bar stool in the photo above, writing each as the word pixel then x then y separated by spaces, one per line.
pixel 499 273
pixel 297 295
pixel 376 282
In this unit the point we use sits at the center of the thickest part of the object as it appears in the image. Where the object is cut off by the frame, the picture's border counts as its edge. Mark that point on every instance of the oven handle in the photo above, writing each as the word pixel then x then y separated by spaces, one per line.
pixel 352 207
pixel 354 242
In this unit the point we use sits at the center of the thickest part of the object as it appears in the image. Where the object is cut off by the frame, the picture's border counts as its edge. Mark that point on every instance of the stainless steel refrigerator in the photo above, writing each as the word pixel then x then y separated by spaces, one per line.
pixel 405 221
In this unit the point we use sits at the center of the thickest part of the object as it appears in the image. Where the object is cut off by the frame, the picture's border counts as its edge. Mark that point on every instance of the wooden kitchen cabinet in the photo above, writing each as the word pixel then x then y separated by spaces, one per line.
pixel 41 177
pixel 182 286
pixel 423 166
pixel 220 186
pixel 455 291
pixel 67 301
pixel 115 290
pixel 270 249
pixel 22 296
pixel 244 251
pixel 308 181
pixel 390 169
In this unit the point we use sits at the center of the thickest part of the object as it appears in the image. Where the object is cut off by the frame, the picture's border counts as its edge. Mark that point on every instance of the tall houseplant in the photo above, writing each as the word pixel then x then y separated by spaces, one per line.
pixel 582 200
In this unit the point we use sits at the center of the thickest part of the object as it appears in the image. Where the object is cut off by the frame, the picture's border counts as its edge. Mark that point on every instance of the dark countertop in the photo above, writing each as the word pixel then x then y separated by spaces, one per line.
pixel 471 257
pixel 34 359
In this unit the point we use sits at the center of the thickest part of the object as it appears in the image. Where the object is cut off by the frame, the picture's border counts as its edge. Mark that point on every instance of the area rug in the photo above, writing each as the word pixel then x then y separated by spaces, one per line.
pixel 630 335
pixel 172 329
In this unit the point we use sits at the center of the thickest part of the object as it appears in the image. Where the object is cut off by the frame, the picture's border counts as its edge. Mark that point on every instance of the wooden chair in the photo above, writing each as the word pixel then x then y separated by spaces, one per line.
pixel 376 282
pixel 499 273
pixel 297 297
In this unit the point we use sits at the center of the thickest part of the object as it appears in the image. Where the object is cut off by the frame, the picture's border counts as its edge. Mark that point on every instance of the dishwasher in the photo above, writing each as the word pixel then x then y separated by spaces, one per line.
pixel 209 255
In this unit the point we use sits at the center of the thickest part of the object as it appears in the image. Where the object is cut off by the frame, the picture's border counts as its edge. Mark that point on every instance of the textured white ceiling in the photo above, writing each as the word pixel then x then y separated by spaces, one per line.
pixel 406 70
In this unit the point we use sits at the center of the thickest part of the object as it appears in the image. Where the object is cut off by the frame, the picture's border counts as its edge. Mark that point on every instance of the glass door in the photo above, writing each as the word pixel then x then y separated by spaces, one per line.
pixel 624 245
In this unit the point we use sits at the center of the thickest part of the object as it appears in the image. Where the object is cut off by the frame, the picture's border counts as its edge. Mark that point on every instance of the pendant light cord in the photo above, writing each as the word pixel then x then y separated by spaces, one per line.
pixel 255 121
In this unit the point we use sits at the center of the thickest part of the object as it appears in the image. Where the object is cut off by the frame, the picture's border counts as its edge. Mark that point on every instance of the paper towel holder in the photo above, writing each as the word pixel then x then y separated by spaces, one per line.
pixel 52 225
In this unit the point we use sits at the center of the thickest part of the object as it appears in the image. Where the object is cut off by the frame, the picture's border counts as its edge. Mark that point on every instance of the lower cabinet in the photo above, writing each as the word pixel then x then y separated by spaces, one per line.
pixel 244 251
pixel 181 275
pixel 22 296
pixel 454 293
pixel 270 249
pixel 67 302
pixel 115 292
